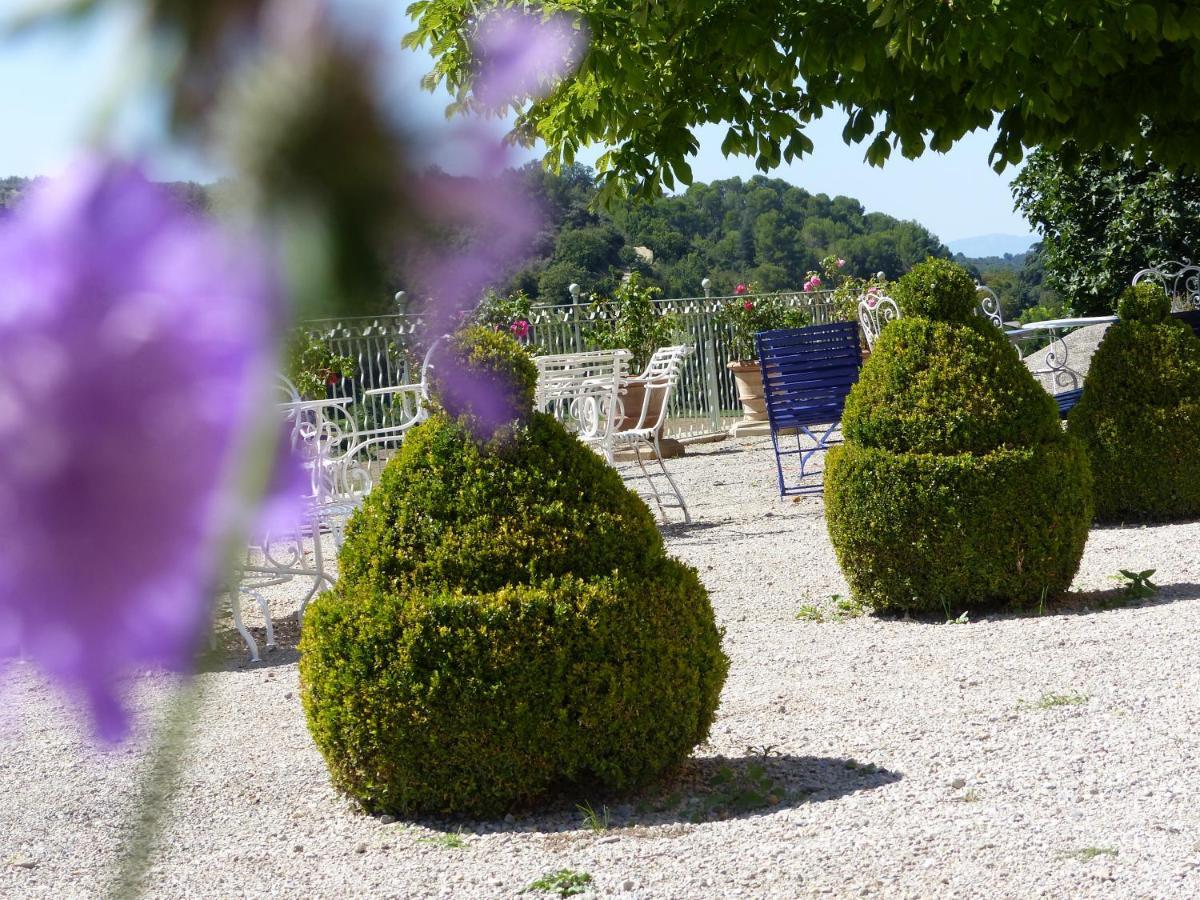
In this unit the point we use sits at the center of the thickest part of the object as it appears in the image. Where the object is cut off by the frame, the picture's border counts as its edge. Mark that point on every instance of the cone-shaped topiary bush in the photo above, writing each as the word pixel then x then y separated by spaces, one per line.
pixel 507 623
pixel 1139 416
pixel 956 486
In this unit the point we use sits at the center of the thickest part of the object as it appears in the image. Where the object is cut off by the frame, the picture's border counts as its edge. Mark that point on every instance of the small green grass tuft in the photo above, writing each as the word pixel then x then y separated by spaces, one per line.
pixel 1087 854
pixel 596 822
pixel 1049 701
pixel 451 840
pixel 564 882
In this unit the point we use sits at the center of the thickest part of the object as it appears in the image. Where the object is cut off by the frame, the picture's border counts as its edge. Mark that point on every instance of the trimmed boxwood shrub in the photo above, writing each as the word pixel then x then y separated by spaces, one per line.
pixel 507 624
pixel 1139 416
pixel 956 486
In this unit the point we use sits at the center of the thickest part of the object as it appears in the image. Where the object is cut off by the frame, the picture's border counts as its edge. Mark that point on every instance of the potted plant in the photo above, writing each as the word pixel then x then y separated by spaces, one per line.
pixel 313 367
pixel 746 314
pixel 512 314
pixel 639 327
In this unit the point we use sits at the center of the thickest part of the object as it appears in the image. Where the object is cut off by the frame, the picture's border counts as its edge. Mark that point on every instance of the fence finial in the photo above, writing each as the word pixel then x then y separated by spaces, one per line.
pixel 401 299
pixel 706 283
pixel 574 289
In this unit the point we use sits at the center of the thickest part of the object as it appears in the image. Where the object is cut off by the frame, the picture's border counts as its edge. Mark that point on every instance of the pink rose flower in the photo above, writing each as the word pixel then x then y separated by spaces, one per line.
pixel 840 263
pixel 519 328
pixel 748 305
pixel 741 289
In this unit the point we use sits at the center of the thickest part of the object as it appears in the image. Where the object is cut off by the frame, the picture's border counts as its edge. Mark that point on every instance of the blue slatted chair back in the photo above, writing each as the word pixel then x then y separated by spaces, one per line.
pixel 807 373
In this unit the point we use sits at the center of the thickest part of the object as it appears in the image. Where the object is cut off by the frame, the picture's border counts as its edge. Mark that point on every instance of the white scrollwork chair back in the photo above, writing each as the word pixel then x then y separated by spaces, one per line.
pixel 989 305
pixel 659 380
pixel 875 310
pixel 1181 281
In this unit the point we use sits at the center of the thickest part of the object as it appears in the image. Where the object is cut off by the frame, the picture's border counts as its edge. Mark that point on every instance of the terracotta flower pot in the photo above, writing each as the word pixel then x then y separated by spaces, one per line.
pixel 748 378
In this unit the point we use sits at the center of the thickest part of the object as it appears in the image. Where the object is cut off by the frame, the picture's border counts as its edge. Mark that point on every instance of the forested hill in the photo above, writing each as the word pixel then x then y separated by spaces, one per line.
pixel 763 230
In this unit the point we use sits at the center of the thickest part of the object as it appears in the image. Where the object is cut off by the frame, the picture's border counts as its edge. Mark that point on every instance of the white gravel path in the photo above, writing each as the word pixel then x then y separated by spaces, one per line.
pixel 903 759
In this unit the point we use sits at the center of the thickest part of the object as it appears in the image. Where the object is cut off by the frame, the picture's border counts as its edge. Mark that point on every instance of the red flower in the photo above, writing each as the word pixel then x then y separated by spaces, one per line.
pixel 741 289
pixel 519 328
pixel 748 305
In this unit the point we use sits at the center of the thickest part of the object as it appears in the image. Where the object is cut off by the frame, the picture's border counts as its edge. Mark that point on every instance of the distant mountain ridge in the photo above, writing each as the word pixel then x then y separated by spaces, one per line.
pixel 992 245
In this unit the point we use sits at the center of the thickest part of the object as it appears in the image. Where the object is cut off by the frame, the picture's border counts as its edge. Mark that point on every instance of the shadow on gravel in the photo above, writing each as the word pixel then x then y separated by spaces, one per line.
pixel 1073 603
pixel 709 789
pixel 236 657
pixel 715 788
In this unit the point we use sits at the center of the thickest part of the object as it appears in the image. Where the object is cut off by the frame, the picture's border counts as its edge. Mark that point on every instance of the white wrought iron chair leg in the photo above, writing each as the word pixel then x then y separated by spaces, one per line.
pixel 235 601
pixel 687 516
pixel 265 608
pixel 650 481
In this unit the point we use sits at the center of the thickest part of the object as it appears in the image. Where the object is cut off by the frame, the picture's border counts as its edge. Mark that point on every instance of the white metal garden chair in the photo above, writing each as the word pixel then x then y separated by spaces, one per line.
pixel 582 390
pixel 642 427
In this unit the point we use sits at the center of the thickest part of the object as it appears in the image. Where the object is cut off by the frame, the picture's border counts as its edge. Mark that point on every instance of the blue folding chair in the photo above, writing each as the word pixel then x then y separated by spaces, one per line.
pixel 807 373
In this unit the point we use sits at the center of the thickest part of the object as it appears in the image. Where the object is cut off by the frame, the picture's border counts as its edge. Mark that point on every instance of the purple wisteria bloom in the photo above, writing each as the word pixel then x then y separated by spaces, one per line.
pixel 521 55
pixel 135 352
pixel 518 56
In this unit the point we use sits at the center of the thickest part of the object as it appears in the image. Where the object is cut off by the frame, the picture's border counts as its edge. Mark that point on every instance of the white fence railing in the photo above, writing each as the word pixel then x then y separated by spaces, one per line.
pixel 704 403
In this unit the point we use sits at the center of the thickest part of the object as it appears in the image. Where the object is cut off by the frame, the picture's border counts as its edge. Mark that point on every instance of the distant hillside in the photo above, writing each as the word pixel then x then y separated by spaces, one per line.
pixel 993 245
pixel 762 230
pixel 1014 261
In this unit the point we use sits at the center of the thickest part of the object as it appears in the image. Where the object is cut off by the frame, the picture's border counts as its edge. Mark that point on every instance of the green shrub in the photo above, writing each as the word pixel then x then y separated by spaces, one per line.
pixel 1145 302
pixel 1139 416
pixel 956 486
pixel 932 387
pixel 507 623
pixel 446 702
pixel 940 533
pixel 453 510
pixel 937 289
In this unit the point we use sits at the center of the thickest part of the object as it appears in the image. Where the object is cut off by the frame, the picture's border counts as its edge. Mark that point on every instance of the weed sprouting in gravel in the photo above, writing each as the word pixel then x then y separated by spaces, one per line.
pixel 1137 585
pixel 762 751
pixel 810 613
pixel 970 796
pixel 1049 701
pixel 1087 854
pixel 451 840
pixel 843 608
pixel 564 882
pixel 596 822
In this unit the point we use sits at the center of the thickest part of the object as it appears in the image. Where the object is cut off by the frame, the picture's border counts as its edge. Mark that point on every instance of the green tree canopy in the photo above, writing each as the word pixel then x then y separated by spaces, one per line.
pixel 1105 217
pixel 905 74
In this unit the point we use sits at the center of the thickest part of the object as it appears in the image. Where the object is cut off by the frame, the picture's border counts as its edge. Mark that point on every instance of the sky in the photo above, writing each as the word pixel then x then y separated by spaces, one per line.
pixel 57 91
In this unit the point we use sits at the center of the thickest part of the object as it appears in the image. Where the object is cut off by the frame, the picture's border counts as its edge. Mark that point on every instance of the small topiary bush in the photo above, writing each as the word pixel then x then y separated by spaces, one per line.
pixel 483 375
pixel 956 486
pixel 507 623
pixel 1139 416
pixel 937 289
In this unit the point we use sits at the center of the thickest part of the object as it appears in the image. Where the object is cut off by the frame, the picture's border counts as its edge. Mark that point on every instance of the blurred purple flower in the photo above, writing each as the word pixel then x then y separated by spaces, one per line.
pixel 521 55
pixel 136 346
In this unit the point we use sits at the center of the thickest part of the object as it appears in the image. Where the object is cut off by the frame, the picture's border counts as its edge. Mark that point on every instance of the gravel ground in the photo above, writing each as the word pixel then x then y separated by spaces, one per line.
pixel 1008 756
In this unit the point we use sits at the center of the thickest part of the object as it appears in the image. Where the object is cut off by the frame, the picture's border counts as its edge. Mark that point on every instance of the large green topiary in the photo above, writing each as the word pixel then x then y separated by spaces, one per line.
pixel 1139 416
pixel 507 623
pixel 956 486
